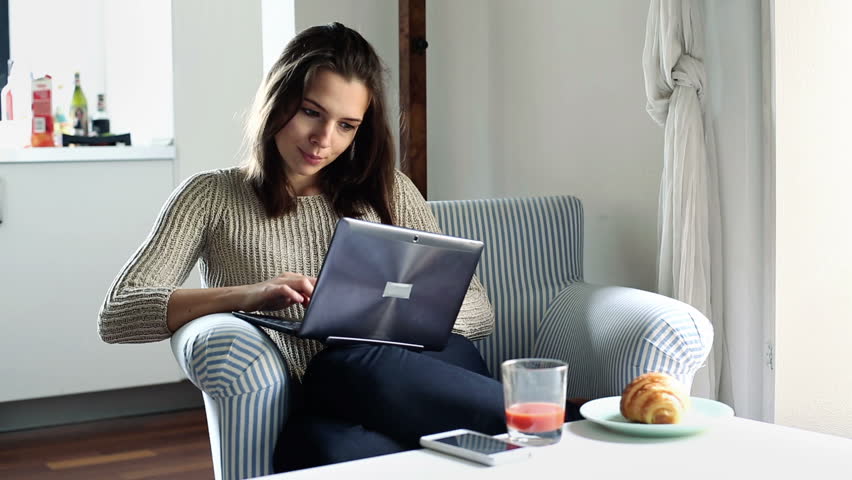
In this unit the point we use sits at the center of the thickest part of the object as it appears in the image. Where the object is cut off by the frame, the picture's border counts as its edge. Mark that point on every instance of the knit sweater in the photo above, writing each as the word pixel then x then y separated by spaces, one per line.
pixel 217 218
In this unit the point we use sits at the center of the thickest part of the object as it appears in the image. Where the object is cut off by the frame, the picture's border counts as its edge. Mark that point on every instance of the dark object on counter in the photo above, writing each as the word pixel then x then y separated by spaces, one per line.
pixel 100 120
pixel 100 126
pixel 106 140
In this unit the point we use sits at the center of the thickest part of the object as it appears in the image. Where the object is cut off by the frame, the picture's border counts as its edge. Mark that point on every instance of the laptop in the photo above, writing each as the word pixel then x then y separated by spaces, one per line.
pixel 385 284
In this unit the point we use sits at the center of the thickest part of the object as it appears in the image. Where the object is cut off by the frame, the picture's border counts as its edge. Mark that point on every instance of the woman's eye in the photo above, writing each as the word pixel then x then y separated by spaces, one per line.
pixel 310 113
pixel 346 127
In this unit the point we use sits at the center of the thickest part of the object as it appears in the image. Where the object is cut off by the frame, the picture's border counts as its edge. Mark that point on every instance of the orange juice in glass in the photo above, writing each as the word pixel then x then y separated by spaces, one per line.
pixel 534 395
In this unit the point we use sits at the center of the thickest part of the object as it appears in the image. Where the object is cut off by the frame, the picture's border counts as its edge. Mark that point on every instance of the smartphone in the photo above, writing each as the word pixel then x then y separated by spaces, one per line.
pixel 475 446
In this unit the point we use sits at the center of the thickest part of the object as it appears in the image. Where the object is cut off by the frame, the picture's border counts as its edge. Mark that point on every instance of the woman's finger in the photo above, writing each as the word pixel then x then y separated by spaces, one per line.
pixel 290 294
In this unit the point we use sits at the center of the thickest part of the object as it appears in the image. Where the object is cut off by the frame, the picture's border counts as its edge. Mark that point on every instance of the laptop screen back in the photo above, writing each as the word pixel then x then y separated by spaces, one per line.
pixel 388 283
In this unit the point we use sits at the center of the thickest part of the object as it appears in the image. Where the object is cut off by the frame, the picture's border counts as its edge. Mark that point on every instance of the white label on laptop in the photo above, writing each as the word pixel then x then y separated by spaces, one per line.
pixel 397 290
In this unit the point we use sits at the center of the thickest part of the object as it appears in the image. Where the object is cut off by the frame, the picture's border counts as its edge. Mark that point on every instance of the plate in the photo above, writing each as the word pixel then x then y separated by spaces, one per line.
pixel 702 414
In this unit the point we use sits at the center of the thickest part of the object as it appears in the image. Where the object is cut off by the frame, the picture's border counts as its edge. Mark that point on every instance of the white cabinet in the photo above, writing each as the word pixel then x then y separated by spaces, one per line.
pixel 67 228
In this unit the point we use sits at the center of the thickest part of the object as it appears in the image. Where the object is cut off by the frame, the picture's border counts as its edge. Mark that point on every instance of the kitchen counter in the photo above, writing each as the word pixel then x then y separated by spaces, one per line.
pixel 86 154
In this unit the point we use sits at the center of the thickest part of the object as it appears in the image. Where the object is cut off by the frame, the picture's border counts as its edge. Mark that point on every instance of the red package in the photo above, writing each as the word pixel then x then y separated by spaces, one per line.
pixel 42 132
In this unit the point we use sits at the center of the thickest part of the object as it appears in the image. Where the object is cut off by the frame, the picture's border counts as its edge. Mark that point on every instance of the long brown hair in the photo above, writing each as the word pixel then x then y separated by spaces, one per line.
pixel 363 174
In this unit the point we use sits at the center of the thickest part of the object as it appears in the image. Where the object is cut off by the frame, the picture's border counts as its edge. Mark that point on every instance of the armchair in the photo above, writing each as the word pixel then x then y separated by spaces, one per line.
pixel 532 269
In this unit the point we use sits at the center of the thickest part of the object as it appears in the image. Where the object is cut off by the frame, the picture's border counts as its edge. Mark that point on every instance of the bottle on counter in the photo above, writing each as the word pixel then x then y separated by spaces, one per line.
pixel 100 120
pixel 79 110
pixel 6 96
pixel 61 123
pixel 17 93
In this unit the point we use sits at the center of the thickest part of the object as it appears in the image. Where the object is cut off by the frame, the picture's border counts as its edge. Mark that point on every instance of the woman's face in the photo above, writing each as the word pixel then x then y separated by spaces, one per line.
pixel 324 125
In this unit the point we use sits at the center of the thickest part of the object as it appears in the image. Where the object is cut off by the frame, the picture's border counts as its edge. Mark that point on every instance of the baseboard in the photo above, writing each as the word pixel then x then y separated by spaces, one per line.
pixel 86 407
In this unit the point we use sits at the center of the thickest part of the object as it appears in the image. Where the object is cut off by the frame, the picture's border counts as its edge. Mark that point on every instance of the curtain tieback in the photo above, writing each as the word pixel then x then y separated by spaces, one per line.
pixel 689 72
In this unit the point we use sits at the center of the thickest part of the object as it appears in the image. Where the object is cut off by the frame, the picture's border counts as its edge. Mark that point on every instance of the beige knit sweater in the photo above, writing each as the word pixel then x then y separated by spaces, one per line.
pixel 217 218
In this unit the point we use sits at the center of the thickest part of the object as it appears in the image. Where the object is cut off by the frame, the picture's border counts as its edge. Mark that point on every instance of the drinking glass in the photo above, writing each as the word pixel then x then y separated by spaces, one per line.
pixel 534 395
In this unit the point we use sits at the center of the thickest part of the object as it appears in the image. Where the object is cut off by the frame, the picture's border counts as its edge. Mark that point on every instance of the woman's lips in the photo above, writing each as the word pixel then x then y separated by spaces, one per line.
pixel 311 159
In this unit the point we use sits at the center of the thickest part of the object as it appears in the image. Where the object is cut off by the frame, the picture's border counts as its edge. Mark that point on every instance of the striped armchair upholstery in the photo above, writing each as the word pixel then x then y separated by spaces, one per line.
pixel 532 252
pixel 532 267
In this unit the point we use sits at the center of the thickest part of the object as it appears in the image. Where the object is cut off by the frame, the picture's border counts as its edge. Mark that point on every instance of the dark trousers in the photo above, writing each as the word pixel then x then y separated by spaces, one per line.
pixel 360 401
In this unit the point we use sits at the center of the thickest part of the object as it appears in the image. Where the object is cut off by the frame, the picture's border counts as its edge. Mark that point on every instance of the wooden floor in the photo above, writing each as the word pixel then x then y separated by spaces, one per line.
pixel 165 446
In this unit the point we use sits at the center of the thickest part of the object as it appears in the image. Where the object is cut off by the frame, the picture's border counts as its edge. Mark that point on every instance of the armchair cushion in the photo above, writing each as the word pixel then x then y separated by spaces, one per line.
pixel 610 335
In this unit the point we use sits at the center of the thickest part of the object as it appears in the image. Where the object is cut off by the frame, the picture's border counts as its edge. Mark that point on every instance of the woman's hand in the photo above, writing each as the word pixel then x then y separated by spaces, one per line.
pixel 274 294
pixel 278 293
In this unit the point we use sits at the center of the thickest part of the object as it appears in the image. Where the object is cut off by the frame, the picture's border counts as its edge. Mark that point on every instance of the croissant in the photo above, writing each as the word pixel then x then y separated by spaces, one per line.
pixel 654 398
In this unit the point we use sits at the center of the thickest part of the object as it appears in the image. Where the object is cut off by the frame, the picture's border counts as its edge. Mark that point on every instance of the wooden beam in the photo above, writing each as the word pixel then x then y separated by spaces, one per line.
pixel 412 90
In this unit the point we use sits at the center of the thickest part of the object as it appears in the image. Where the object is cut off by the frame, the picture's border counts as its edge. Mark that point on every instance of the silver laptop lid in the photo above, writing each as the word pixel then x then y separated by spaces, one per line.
pixel 390 284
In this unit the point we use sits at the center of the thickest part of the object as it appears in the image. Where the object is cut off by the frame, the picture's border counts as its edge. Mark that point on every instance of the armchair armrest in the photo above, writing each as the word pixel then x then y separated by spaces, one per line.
pixel 610 335
pixel 244 383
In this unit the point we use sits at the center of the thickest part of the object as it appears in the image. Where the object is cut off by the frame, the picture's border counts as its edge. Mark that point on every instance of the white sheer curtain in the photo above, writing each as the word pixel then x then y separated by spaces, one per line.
pixel 689 263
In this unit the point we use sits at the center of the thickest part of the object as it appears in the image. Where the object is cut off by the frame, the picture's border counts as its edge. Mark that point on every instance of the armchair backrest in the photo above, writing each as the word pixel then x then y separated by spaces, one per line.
pixel 533 249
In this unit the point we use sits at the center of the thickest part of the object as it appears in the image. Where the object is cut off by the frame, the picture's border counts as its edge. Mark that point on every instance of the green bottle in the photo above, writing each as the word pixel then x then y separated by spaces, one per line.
pixel 79 109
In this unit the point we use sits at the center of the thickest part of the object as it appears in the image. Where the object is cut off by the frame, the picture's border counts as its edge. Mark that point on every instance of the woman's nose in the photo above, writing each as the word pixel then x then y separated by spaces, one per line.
pixel 321 136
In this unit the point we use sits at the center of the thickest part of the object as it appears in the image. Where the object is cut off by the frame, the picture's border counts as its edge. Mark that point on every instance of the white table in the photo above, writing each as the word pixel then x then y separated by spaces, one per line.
pixel 735 448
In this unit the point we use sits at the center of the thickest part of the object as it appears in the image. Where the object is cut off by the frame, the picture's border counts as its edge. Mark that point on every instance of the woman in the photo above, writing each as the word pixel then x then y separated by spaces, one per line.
pixel 319 148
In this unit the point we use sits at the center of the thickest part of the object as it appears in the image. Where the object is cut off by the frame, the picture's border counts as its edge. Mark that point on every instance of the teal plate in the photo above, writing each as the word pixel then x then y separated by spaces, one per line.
pixel 702 414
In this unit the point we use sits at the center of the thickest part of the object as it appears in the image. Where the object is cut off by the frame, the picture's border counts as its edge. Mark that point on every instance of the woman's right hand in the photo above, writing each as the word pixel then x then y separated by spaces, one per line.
pixel 187 304
pixel 278 293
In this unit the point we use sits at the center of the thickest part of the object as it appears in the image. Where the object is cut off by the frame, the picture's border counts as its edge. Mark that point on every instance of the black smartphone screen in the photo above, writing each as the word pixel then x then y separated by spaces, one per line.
pixel 478 443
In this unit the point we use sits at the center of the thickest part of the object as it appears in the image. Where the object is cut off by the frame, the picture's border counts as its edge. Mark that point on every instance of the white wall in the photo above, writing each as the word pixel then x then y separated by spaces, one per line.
pixel 278 27
pixel 217 49
pixel 460 119
pixel 814 264
pixel 137 52
pixel 547 97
